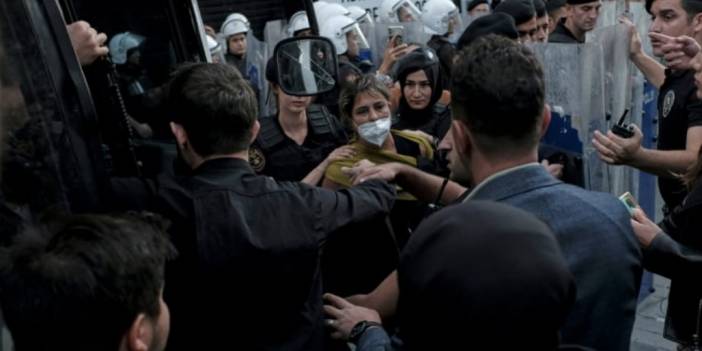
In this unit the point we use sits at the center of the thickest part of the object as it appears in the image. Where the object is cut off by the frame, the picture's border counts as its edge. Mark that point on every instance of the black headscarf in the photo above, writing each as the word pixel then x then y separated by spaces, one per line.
pixel 420 59
pixel 483 273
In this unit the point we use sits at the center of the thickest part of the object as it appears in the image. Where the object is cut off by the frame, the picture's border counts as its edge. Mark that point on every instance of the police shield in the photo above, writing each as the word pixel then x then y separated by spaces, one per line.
pixel 574 82
pixel 257 55
pixel 619 94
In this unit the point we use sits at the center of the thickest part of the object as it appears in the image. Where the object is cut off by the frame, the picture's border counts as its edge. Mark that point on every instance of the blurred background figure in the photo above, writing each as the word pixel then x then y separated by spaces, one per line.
pixel 442 20
pixel 398 11
pixel 524 16
pixel 556 13
pixel 477 8
pixel 299 25
pixel 215 49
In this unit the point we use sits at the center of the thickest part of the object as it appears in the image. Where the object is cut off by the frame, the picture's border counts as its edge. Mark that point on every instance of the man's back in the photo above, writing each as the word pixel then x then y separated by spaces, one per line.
pixel 247 276
pixel 597 241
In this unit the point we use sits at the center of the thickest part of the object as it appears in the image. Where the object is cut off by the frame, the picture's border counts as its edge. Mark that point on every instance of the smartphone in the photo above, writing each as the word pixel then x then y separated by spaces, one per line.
pixel 629 201
pixel 395 33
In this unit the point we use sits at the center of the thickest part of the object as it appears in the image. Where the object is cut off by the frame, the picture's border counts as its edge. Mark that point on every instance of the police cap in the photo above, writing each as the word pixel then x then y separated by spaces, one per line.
pixel 495 23
pixel 521 10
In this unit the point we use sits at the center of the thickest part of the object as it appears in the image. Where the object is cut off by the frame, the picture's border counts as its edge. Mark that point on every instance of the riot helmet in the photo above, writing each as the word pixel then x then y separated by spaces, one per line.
pixel 215 49
pixel 342 31
pixel 235 23
pixel 298 24
pixel 121 45
pixel 331 10
pixel 396 11
pixel 441 17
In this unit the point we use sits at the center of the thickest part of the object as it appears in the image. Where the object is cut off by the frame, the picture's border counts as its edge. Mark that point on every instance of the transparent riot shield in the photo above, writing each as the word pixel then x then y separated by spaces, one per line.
pixel 273 33
pixel 619 91
pixel 575 91
pixel 256 58
pixel 609 12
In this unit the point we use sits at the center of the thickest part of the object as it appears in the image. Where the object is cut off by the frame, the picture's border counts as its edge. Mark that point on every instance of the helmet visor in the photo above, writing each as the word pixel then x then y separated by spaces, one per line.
pixel 455 22
pixel 406 11
pixel 355 34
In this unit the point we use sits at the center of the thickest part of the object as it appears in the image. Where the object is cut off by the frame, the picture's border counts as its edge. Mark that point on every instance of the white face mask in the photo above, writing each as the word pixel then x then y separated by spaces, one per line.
pixel 375 132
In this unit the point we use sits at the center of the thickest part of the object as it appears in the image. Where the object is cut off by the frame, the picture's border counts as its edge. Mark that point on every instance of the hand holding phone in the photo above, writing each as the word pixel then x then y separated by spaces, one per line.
pixel 629 201
pixel 395 35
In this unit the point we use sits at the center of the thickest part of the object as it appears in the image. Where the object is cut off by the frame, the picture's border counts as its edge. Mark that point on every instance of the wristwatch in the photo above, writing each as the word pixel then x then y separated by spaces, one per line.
pixel 360 328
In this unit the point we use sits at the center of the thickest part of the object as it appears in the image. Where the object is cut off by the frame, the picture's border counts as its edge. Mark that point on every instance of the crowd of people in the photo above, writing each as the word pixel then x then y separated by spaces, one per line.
pixel 408 209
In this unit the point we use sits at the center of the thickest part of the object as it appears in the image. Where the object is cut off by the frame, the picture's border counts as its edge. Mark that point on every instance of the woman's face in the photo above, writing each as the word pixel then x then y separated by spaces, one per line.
pixel 291 104
pixel 369 107
pixel 417 90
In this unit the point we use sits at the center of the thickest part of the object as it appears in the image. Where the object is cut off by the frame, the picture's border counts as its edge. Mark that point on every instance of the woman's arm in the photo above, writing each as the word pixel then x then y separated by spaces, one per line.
pixel 316 175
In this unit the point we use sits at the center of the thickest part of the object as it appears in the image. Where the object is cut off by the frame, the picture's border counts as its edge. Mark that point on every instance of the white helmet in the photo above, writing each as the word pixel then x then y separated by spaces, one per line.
pixel 121 43
pixel 235 23
pixel 336 28
pixel 364 19
pixel 359 14
pixel 213 45
pixel 318 6
pixel 298 22
pixel 331 10
pixel 441 17
pixel 389 11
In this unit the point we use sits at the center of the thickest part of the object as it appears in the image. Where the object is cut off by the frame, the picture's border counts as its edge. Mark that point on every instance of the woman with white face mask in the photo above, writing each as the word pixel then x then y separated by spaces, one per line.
pixel 365 107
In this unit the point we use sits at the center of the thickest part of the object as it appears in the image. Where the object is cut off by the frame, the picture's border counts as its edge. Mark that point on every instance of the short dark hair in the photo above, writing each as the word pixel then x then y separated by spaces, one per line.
pixel 691 7
pixel 498 93
pixel 216 107
pixel 367 83
pixel 78 282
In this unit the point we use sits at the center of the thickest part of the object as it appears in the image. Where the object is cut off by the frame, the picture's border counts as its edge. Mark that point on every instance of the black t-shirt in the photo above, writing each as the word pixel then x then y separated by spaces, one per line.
pixel 678 109
pixel 285 159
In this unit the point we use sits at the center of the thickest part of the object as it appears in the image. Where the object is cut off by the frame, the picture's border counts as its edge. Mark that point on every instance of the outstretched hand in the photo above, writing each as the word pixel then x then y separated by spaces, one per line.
pixel 677 51
pixel 88 44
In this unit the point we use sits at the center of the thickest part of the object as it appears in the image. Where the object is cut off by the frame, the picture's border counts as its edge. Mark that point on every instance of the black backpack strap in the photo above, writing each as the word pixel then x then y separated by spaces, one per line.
pixel 270 134
pixel 323 122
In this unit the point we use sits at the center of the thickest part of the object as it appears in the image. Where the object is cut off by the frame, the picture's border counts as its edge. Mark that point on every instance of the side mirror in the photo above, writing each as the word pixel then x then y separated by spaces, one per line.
pixel 306 66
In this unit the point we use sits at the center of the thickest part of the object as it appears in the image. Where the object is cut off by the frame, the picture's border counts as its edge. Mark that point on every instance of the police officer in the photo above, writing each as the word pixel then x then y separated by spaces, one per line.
pixel 234 29
pixel 679 108
pixel 524 15
pixel 441 19
pixel 398 11
pixel 581 17
pixel 299 141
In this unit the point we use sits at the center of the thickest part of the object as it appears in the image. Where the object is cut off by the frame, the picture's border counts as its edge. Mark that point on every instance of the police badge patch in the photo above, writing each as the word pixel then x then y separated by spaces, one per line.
pixel 256 159
pixel 668 102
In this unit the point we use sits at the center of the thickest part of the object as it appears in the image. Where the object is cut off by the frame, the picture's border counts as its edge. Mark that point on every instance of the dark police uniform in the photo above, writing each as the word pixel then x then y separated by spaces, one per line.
pixel 562 35
pixel 275 154
pixel 248 252
pixel 446 52
pixel 678 109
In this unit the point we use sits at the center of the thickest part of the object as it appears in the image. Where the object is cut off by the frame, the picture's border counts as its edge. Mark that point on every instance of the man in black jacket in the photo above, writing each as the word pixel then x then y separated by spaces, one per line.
pixel 581 17
pixel 247 276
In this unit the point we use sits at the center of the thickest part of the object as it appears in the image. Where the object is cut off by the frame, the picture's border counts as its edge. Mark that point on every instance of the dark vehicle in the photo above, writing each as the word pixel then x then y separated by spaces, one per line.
pixel 67 129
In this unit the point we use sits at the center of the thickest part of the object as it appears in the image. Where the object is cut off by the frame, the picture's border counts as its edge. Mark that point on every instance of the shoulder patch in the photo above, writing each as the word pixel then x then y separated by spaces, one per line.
pixel 668 102
pixel 256 159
